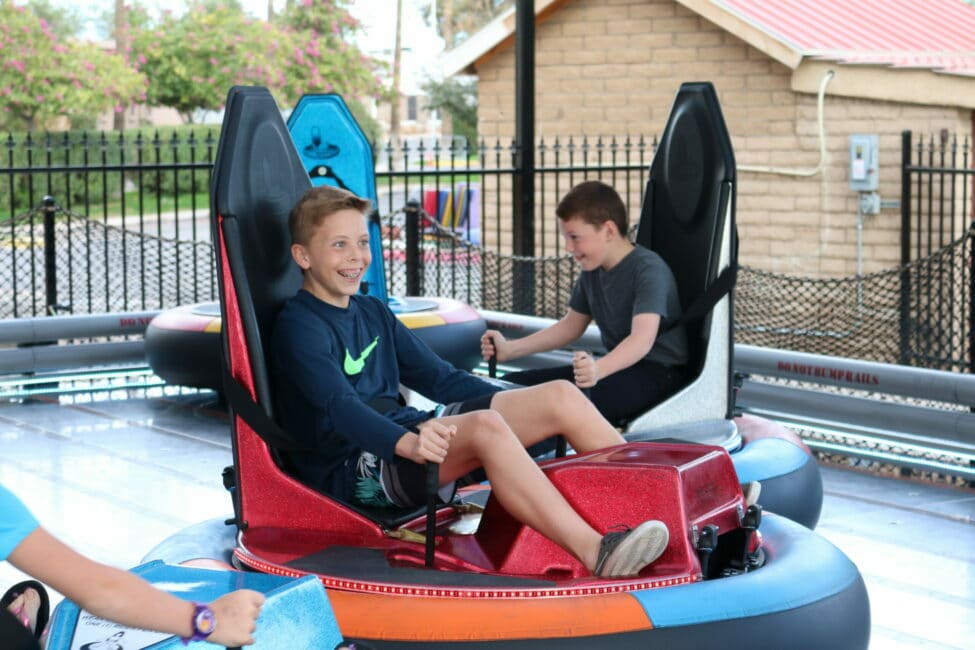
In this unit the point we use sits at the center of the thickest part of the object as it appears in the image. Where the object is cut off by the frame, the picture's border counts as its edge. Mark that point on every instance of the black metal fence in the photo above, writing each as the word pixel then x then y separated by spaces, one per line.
pixel 128 229
pixel 465 199
pixel 126 225
pixel 937 210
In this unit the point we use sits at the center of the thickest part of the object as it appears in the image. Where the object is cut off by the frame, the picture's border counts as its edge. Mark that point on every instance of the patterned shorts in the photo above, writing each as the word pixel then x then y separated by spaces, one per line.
pixel 402 484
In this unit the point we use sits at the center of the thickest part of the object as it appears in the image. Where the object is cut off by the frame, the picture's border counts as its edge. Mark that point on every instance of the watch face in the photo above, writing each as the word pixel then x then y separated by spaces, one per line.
pixel 205 622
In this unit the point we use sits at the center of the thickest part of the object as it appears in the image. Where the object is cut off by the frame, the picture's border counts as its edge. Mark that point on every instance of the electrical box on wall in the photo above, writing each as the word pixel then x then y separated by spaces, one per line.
pixel 864 162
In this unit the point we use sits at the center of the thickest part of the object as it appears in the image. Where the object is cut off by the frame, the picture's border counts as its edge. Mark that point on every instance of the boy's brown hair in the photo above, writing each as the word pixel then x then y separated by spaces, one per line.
pixel 595 203
pixel 317 204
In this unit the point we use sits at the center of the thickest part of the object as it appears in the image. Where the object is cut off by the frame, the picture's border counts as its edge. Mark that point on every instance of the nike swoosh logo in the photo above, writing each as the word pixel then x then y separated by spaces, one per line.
pixel 355 366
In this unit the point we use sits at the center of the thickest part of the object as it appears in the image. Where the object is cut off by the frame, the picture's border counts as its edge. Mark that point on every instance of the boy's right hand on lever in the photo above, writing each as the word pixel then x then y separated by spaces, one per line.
pixel 433 442
pixel 236 615
pixel 493 343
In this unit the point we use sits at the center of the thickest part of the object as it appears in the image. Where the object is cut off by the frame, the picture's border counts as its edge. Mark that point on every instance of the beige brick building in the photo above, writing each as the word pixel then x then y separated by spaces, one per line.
pixel 612 67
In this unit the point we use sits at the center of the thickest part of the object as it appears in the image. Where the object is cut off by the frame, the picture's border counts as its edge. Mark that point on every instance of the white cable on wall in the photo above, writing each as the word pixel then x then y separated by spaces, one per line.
pixel 785 171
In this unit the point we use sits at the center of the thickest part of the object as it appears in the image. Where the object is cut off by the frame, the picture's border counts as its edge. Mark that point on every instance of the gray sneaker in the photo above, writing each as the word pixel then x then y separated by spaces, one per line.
pixel 625 552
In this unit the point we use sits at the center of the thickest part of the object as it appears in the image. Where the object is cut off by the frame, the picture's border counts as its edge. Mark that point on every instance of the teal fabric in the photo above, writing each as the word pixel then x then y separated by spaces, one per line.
pixel 16 522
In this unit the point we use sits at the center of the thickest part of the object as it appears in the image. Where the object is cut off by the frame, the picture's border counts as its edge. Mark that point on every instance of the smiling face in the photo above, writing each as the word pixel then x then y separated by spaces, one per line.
pixel 336 257
pixel 588 244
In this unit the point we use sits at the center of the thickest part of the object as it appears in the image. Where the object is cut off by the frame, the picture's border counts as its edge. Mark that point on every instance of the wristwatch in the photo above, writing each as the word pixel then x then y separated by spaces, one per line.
pixel 204 623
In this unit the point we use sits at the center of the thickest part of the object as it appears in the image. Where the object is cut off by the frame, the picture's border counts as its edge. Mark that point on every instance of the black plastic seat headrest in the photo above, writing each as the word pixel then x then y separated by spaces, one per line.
pixel 257 177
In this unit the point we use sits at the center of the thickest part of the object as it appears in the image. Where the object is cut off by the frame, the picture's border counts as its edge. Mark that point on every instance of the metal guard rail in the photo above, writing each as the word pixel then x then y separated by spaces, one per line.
pixel 48 355
pixel 918 430
pixel 916 436
pixel 30 345
pixel 905 434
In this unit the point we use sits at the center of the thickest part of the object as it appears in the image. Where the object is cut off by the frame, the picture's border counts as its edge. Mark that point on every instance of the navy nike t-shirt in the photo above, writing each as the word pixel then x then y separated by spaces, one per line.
pixel 329 363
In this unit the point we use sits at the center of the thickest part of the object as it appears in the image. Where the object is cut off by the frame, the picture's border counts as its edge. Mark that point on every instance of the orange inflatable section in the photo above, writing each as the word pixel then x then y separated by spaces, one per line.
pixel 409 618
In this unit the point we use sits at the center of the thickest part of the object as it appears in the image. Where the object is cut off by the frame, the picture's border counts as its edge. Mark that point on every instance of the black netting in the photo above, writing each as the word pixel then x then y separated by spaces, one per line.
pixel 539 286
pixel 453 267
pixel 99 268
pixel 916 315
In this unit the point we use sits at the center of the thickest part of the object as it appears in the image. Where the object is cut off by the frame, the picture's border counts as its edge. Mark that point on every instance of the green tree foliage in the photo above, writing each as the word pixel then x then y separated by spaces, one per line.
pixel 370 127
pixel 136 18
pixel 323 58
pixel 64 22
pixel 193 59
pixel 44 77
pixel 458 97
pixel 456 21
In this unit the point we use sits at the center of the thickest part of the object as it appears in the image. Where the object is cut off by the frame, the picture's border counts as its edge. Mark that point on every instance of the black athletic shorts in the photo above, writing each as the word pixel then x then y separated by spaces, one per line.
pixel 402 483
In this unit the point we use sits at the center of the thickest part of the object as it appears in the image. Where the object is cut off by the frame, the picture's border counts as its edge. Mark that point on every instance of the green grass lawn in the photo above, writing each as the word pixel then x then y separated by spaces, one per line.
pixel 152 205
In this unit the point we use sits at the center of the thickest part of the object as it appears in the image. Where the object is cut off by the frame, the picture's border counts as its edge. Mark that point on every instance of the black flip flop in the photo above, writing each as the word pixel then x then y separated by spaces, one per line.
pixel 43 612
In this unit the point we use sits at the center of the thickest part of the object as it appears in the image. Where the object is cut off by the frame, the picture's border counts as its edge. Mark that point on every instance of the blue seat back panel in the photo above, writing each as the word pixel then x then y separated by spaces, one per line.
pixel 334 151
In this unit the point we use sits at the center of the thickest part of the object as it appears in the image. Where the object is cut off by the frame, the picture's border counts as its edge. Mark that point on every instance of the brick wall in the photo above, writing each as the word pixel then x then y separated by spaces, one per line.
pixel 612 67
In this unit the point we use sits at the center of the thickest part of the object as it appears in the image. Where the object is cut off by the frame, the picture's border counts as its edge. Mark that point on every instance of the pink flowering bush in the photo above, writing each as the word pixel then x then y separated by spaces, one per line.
pixel 192 60
pixel 43 78
pixel 324 58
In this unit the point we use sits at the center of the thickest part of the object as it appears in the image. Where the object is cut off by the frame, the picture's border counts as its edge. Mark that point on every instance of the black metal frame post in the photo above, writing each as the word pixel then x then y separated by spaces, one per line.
pixel 905 301
pixel 414 286
pixel 971 301
pixel 49 206
pixel 523 199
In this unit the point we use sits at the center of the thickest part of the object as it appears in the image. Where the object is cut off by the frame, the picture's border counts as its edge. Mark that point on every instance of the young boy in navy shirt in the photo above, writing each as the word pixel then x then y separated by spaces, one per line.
pixel 632 295
pixel 338 359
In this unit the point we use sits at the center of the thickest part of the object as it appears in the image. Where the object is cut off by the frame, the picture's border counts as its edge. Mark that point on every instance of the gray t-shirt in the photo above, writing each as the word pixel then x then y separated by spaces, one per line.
pixel 641 283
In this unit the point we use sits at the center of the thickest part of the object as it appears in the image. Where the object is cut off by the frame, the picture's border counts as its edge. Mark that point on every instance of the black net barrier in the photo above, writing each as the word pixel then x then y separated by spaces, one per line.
pixel 99 267
pixel 919 314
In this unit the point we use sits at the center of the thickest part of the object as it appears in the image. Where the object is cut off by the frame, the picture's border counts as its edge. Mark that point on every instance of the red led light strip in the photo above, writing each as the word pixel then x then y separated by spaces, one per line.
pixel 438 592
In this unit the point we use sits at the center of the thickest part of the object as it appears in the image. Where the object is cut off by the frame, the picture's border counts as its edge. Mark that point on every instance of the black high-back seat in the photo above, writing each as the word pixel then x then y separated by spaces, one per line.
pixel 688 218
pixel 258 176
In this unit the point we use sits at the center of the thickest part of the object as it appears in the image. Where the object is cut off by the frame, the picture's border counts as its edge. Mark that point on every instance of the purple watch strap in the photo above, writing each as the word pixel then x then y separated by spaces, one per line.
pixel 204 623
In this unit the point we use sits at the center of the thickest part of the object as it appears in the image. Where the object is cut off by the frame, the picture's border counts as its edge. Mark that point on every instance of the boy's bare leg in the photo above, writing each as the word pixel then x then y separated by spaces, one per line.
pixel 484 440
pixel 536 413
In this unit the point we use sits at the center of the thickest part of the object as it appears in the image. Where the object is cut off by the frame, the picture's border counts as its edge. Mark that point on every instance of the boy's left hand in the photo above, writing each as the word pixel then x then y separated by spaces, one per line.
pixel 584 369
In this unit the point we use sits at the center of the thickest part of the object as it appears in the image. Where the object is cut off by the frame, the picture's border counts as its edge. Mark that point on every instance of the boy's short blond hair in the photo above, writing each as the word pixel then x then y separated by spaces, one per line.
pixel 317 204
pixel 595 203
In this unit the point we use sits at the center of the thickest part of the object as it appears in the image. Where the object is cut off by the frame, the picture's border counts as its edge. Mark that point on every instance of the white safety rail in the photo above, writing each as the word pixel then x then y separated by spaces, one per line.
pixel 907 417
pixel 37 354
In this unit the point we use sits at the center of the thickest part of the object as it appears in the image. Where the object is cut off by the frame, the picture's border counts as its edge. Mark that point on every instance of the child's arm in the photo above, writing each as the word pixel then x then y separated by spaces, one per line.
pixel 643 334
pixel 126 598
pixel 565 331
pixel 421 370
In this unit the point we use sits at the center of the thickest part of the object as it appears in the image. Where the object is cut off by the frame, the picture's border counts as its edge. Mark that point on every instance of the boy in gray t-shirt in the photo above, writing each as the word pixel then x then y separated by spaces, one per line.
pixel 631 294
